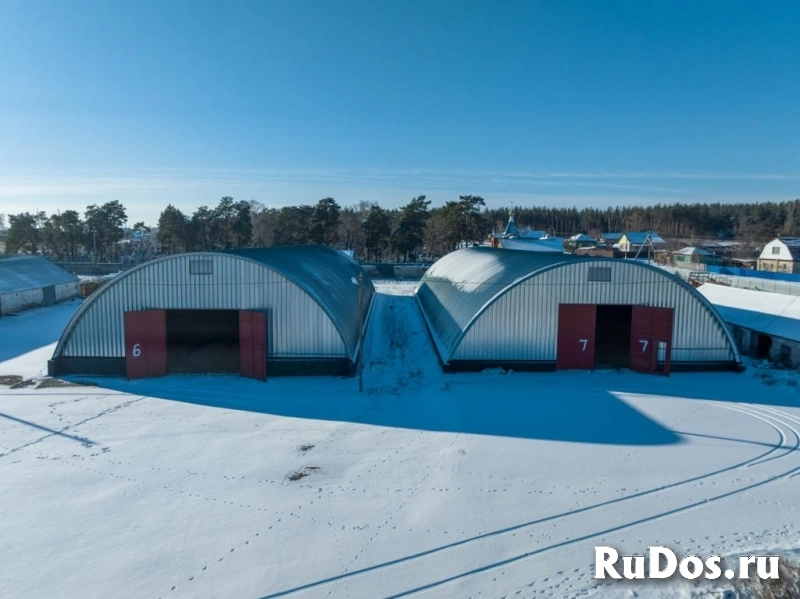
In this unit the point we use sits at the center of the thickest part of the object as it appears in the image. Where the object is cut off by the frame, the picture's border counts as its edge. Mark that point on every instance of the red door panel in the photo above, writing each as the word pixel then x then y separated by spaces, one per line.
pixel 576 329
pixel 651 339
pixel 253 344
pixel 145 343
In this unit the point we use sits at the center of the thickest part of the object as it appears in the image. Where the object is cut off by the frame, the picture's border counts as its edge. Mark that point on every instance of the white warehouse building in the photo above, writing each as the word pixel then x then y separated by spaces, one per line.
pixel 30 281
pixel 486 307
pixel 282 310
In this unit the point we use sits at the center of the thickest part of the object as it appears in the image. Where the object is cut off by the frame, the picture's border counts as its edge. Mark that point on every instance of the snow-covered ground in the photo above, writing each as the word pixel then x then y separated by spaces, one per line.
pixel 424 485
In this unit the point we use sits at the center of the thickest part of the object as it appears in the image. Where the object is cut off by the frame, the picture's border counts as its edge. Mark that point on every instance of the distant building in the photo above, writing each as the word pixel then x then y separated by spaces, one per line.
pixel 765 325
pixel 599 251
pixel 529 240
pixel 581 240
pixel 30 281
pixel 781 255
pixel 633 241
pixel 547 244
pixel 694 255
pixel 610 239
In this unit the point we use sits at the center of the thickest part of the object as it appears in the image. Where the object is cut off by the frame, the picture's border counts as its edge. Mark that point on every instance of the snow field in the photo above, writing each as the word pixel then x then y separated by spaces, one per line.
pixel 429 485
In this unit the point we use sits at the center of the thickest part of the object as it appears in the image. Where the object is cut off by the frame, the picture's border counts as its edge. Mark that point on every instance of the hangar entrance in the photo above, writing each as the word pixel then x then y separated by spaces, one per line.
pixel 160 342
pixel 202 341
pixel 614 336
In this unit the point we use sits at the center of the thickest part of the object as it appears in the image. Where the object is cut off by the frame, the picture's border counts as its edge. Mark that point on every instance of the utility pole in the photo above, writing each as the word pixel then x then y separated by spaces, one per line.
pixel 360 332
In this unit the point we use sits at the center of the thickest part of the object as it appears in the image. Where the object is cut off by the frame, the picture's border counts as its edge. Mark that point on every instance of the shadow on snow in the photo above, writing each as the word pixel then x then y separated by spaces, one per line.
pixel 471 404
pixel 31 329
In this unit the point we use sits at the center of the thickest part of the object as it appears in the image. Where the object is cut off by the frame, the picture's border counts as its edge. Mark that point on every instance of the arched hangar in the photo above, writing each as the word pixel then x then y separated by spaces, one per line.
pixel 282 310
pixel 489 307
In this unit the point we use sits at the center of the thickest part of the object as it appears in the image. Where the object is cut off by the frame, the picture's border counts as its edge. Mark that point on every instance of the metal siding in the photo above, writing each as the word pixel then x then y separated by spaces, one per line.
pixel 298 326
pixel 522 323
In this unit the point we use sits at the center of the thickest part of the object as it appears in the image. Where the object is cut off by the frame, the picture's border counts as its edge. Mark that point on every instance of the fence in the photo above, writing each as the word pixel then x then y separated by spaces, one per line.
pixel 742 282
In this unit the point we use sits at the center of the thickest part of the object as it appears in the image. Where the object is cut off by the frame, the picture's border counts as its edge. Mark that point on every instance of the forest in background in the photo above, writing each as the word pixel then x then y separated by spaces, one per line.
pixel 412 232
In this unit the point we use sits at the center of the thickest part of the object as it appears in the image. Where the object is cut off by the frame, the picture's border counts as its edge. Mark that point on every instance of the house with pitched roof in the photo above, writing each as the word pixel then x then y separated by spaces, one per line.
pixel 632 241
pixel 781 255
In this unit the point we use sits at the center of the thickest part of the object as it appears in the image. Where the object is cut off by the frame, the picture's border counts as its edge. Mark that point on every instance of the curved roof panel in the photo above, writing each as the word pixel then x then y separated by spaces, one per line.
pixel 327 278
pixel 327 275
pixel 460 288
pixel 462 283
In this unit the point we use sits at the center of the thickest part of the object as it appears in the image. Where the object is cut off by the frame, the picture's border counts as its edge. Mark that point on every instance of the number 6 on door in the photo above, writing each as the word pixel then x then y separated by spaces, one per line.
pixel 137 350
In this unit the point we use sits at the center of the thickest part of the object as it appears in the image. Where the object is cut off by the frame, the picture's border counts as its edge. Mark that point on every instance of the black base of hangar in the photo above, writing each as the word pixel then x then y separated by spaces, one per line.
pixel 66 365
pixel 550 366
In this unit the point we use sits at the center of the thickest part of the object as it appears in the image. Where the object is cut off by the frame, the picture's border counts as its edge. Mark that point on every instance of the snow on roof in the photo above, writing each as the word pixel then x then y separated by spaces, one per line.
pixel 534 245
pixel 770 313
pixel 640 237
pixel 793 244
pixel 582 237
pixel 691 251
pixel 31 272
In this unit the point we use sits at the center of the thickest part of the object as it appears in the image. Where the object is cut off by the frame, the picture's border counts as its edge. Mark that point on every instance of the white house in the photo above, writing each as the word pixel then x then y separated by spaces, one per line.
pixel 781 255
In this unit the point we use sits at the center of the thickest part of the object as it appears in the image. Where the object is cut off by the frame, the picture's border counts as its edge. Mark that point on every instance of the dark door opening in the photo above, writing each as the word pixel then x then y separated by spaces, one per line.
pixel 764 347
pixel 613 336
pixel 203 341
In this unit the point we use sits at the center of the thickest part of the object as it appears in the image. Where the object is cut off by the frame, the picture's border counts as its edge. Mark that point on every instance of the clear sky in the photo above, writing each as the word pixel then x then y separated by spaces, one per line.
pixel 538 102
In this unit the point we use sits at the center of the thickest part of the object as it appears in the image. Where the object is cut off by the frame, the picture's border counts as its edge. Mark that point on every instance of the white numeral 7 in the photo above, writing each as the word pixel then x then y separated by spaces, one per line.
pixel 644 344
pixel 583 342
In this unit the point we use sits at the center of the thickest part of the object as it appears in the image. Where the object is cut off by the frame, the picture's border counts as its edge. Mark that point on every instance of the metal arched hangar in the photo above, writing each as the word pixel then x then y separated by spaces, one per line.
pixel 282 310
pixel 524 310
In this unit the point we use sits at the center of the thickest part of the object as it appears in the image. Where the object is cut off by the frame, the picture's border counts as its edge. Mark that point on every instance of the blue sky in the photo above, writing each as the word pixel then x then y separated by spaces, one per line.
pixel 540 102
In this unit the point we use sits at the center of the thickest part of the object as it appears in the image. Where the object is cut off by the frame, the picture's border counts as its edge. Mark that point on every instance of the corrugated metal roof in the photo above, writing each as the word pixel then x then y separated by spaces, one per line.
pixel 461 283
pixel 327 275
pixel 770 313
pixel 640 237
pixel 691 251
pixel 459 290
pixel 534 245
pixel 31 272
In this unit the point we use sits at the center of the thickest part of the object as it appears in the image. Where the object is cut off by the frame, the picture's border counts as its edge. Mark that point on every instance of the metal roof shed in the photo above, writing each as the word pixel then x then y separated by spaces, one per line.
pixel 29 281
pixel 486 307
pixel 307 297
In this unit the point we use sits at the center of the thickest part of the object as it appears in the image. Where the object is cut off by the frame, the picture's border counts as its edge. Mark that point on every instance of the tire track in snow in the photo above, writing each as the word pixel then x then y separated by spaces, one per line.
pixel 466 552
pixel 665 513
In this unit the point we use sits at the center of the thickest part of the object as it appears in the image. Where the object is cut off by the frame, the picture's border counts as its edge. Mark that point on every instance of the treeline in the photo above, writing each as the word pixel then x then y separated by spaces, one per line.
pixel 68 235
pixel 411 232
pixel 753 223
pixel 372 232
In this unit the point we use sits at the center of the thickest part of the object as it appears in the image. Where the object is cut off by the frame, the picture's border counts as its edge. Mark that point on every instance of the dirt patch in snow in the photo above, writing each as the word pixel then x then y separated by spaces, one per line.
pixel 16 382
pixel 53 383
pixel 302 473
pixel 10 380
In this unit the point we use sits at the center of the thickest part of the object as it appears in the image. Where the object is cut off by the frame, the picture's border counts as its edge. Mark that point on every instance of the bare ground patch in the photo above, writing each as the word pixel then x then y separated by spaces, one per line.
pixel 53 383
pixel 302 473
